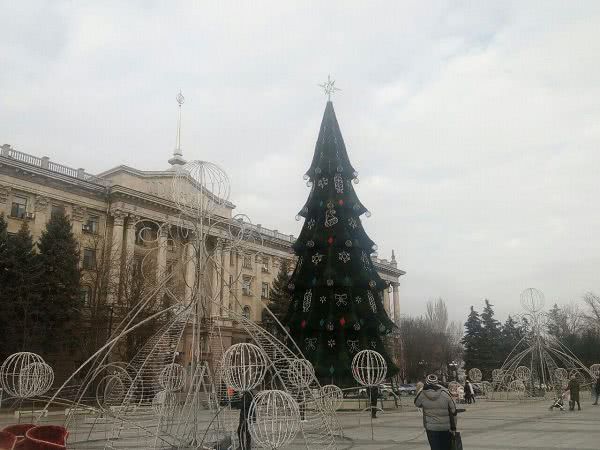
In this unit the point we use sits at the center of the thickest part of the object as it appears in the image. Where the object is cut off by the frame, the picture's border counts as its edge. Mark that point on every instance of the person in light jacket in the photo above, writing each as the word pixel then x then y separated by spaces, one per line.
pixel 439 413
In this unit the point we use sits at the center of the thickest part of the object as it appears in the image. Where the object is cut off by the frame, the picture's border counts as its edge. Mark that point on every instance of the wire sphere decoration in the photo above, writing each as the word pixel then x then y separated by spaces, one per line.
pixel 276 419
pixel 330 397
pixel 523 373
pixel 200 188
pixel 453 387
pixel 578 375
pixel 164 403
pixel 497 375
pixel 487 388
pixel 112 388
pixel 561 374
pixel 532 300
pixel 595 370
pixel 244 366
pixel 369 368
pixel 301 373
pixel 517 386
pixel 25 375
pixel 475 375
pixel 172 377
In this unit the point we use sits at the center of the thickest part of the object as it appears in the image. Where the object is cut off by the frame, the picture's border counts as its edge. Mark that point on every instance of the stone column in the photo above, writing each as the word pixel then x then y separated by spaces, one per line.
pixel 161 255
pixel 396 295
pixel 116 250
pixel 130 238
pixel 41 210
pixel 387 301
pixel 256 298
pixel 226 274
pixel 216 279
pixel 190 269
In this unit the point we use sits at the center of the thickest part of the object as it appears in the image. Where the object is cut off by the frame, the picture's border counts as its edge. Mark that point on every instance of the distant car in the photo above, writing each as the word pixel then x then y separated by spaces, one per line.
pixel 407 389
pixel 385 392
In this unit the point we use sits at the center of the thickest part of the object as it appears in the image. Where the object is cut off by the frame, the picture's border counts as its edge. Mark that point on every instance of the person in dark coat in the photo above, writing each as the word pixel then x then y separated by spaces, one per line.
pixel 373 393
pixel 243 430
pixel 597 390
pixel 439 414
pixel 573 388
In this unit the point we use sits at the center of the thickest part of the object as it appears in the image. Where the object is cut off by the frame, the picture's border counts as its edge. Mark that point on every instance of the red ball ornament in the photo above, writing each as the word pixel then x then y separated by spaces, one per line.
pixel 330 240
pixel 341 202
pixel 342 321
pixel 303 324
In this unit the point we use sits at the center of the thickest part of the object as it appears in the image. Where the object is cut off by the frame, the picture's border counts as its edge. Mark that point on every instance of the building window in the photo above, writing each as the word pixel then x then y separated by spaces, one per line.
pixel 86 295
pixel 246 312
pixel 264 293
pixel 19 207
pixel 170 245
pixel 265 263
pixel 57 210
pixel 247 262
pixel 247 286
pixel 146 236
pixel 91 225
pixel 89 258
pixel 230 282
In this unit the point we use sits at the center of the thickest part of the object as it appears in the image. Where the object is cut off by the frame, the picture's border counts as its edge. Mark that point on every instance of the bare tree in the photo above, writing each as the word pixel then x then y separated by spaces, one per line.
pixel 437 315
pixel 592 315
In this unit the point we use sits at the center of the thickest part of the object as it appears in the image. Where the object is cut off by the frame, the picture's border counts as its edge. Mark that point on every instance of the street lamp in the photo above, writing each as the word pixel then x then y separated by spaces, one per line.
pixel 453 366
pixel 423 365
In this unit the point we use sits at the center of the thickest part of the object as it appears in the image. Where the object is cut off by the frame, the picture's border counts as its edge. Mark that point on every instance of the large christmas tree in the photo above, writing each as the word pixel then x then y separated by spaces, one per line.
pixel 337 307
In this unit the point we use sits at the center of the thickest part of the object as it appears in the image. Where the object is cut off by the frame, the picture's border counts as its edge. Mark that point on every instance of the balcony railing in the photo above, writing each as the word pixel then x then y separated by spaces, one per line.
pixel 45 163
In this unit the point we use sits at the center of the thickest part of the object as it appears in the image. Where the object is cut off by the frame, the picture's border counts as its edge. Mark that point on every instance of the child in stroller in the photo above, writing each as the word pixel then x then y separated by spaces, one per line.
pixel 559 401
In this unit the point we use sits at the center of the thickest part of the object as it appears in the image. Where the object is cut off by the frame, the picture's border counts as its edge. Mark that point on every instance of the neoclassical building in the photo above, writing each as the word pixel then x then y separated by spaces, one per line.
pixel 123 207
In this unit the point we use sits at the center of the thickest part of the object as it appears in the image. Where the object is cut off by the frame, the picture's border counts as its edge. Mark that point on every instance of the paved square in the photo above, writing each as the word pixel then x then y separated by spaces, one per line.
pixel 485 425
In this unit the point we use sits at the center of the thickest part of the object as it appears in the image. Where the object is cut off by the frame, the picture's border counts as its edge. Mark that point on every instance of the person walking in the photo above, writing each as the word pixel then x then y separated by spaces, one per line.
pixel 373 393
pixel 597 390
pixel 573 388
pixel 439 414
pixel 243 430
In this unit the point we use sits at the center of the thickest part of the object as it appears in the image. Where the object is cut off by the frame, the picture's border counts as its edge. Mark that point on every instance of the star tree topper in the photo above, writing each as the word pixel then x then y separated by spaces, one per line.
pixel 329 87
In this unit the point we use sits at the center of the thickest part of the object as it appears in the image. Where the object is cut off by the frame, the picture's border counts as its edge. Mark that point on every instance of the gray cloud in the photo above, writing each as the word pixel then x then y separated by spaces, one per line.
pixel 475 129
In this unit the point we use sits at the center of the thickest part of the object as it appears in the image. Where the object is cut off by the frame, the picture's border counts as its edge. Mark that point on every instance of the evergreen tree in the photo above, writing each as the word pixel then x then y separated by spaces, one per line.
pixel 60 280
pixel 490 345
pixel 511 336
pixel 279 295
pixel 337 307
pixel 472 340
pixel 20 299
pixel 4 300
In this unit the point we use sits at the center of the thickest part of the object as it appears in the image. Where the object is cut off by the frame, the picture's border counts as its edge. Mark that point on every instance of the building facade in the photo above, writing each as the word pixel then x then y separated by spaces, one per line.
pixel 122 211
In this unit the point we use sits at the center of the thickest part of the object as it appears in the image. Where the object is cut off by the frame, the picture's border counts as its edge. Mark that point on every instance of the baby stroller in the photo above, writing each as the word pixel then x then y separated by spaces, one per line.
pixel 559 402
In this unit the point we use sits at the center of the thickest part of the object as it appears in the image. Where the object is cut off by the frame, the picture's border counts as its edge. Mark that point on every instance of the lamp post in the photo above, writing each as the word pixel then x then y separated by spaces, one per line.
pixel 423 365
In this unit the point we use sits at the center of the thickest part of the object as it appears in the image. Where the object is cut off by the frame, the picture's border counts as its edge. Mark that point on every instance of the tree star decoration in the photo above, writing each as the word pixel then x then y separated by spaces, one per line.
pixel 330 326
pixel 317 258
pixel 352 345
pixel 344 257
pixel 311 343
pixel 331 343
pixel 358 299
pixel 352 222
pixel 322 182
pixel 373 345
pixel 323 299
pixel 329 87
pixel 341 299
pixel 311 224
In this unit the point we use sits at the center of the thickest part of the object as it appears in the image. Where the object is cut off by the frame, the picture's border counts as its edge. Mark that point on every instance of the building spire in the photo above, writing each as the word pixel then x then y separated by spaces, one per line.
pixel 177 158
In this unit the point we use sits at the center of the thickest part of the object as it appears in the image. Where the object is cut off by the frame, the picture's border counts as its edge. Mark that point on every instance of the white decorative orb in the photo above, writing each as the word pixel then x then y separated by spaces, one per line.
pixel 532 300
pixel 595 370
pixel 276 419
pixel 497 375
pixel 516 386
pixel 331 397
pixel 453 387
pixel 369 368
pixel 560 374
pixel 523 373
pixel 475 375
pixel 487 388
pixel 113 388
pixel 301 373
pixel 578 375
pixel 172 377
pixel 244 366
pixel 25 375
pixel 200 188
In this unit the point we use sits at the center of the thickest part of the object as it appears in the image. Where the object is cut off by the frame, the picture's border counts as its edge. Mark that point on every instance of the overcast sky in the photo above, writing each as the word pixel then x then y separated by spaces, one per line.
pixel 474 125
